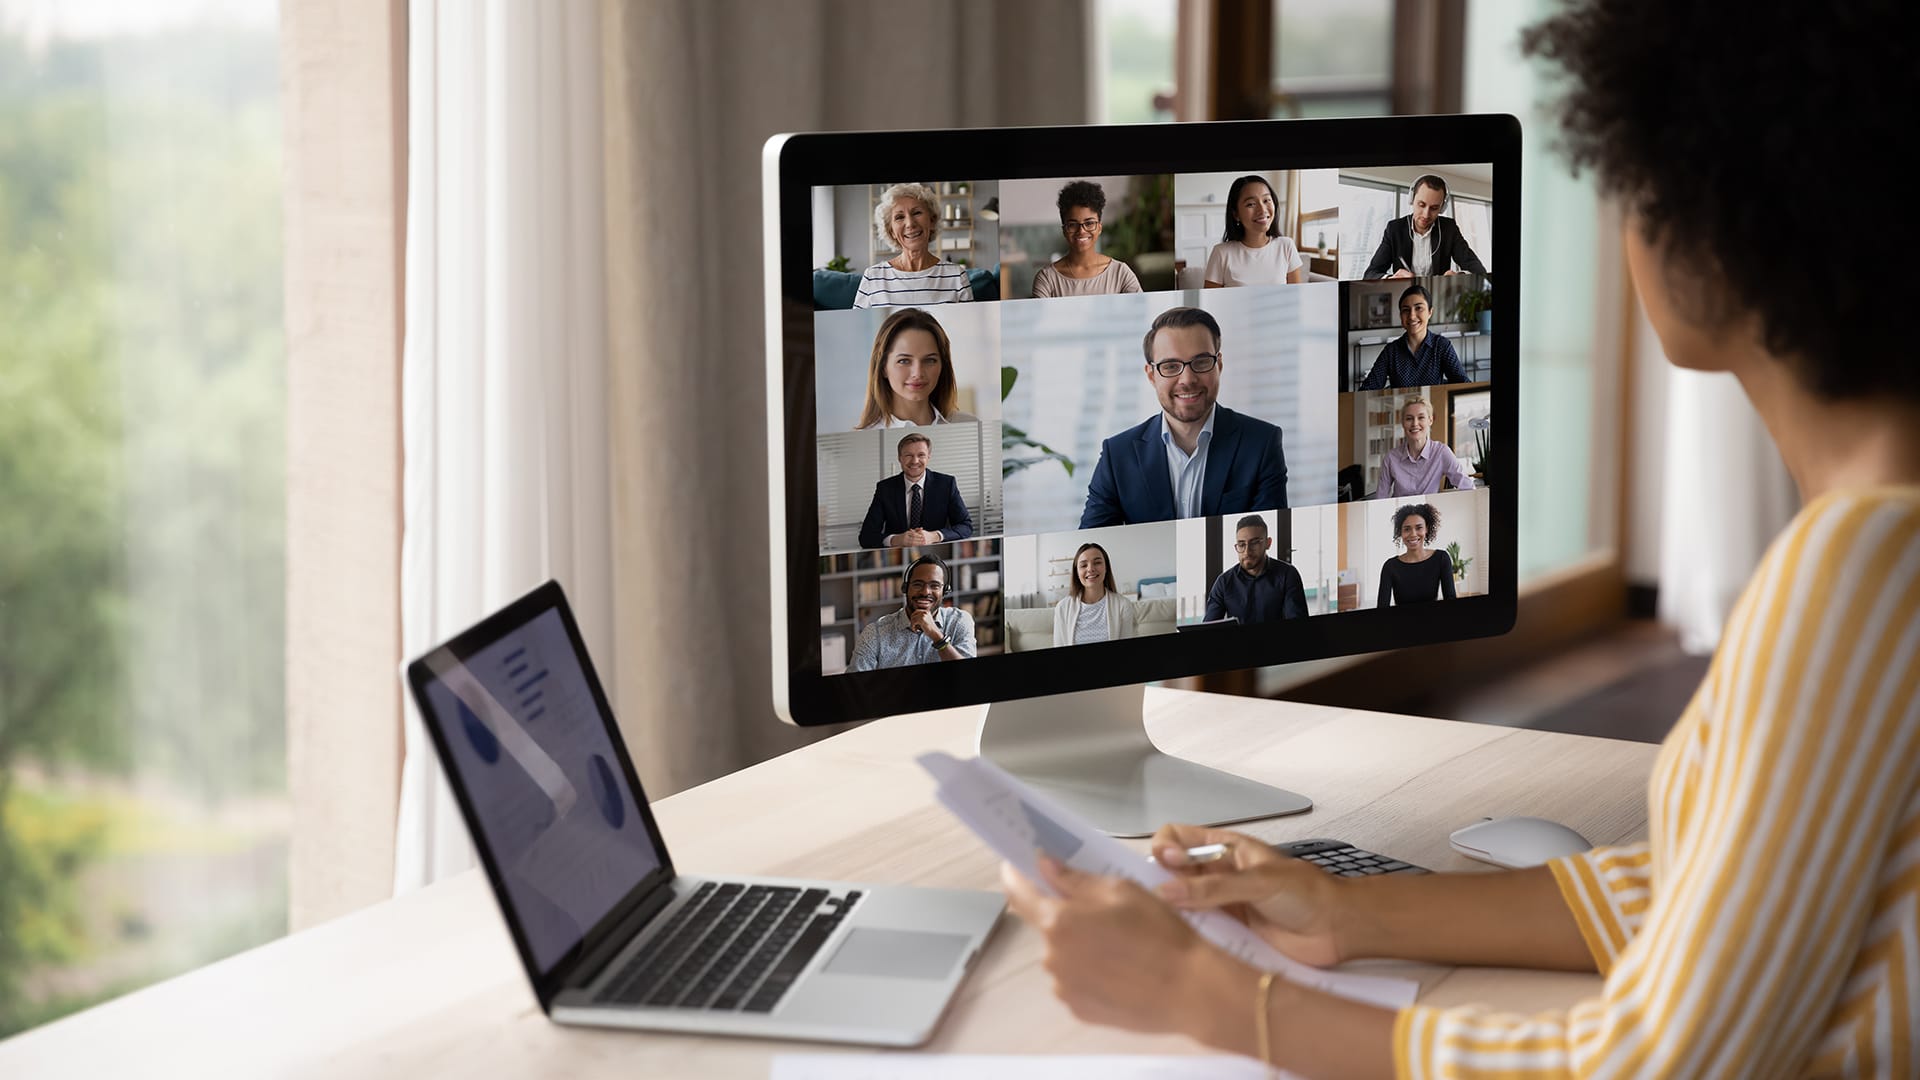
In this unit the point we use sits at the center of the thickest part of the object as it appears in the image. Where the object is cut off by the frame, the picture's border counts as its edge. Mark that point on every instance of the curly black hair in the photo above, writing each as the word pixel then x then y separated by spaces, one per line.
pixel 1082 193
pixel 1426 512
pixel 1730 135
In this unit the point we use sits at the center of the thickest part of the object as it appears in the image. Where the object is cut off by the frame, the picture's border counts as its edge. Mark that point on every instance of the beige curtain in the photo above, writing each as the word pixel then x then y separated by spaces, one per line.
pixel 1290 220
pixel 692 90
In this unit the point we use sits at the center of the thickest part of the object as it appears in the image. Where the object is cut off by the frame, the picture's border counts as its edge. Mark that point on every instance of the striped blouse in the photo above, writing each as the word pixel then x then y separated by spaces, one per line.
pixel 1771 924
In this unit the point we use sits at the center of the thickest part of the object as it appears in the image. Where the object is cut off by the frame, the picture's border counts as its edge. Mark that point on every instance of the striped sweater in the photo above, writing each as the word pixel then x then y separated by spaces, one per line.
pixel 1771 924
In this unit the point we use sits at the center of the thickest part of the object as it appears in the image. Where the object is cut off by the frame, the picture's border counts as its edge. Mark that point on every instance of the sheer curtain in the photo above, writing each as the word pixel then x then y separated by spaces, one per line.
pixel 1726 494
pixel 694 88
pixel 504 378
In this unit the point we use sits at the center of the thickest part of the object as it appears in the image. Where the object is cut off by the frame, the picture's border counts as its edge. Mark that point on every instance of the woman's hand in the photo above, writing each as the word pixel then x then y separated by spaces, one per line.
pixel 1118 955
pixel 1288 902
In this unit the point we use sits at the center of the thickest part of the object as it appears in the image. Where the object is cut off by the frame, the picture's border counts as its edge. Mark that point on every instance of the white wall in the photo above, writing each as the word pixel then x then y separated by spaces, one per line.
pixel 1474 180
pixel 1463 517
pixel 1134 552
pixel 1191 534
pixel 1316 555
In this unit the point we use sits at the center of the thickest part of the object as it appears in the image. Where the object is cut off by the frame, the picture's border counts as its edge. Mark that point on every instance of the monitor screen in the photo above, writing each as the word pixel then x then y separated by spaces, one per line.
pixel 1055 399
pixel 548 795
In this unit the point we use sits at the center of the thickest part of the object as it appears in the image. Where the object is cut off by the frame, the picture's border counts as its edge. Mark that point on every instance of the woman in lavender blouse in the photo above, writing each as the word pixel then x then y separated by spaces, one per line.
pixel 1418 464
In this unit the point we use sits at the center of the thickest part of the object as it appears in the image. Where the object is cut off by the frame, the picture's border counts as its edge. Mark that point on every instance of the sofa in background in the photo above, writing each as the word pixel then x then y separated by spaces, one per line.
pixel 834 290
pixel 1032 628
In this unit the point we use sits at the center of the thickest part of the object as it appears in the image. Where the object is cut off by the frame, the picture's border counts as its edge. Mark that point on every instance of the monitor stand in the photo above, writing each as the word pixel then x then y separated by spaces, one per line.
pixel 1089 751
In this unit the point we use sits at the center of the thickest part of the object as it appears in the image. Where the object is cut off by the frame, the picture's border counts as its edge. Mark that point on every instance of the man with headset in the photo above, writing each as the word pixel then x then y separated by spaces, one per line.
pixel 1423 242
pixel 922 631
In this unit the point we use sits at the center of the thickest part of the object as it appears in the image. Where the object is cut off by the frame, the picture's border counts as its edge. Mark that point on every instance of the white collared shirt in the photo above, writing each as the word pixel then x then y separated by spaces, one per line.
pixel 1422 247
pixel 907 502
pixel 1187 472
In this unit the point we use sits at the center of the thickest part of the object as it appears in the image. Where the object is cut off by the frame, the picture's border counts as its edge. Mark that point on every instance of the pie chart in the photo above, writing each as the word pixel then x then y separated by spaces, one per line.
pixel 485 742
pixel 606 793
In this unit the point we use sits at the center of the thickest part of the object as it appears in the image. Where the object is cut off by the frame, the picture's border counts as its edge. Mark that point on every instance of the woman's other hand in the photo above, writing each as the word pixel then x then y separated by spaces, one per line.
pixel 1118 955
pixel 1288 902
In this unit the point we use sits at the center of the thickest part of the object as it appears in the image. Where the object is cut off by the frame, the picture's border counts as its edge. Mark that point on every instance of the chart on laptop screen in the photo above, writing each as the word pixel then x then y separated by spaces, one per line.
pixel 1060 412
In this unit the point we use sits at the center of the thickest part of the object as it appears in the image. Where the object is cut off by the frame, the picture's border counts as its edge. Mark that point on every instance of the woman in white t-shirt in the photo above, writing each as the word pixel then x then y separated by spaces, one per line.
pixel 1253 252
pixel 1094 610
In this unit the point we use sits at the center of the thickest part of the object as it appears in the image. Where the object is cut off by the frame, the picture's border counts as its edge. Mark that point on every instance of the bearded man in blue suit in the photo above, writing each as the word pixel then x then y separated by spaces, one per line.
pixel 1196 458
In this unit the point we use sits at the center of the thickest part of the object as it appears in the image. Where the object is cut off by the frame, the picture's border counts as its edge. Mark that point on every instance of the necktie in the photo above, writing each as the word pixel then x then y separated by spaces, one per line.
pixel 914 507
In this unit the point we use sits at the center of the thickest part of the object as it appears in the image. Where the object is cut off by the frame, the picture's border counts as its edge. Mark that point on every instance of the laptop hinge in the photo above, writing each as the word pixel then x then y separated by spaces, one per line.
pixel 590 964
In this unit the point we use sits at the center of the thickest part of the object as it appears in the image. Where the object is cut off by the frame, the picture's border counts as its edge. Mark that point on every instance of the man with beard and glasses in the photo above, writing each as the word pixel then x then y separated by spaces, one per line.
pixel 922 631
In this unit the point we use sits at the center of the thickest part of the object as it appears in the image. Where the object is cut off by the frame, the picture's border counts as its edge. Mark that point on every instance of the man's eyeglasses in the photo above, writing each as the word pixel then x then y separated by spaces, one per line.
pixel 1242 545
pixel 1073 227
pixel 1170 369
pixel 934 587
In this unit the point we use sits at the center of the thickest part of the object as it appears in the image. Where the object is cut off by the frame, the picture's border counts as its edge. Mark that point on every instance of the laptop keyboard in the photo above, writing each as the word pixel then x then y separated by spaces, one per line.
pixel 730 947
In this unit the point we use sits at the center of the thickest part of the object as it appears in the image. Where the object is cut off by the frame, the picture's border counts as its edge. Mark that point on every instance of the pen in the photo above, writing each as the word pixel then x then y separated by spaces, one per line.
pixel 1205 853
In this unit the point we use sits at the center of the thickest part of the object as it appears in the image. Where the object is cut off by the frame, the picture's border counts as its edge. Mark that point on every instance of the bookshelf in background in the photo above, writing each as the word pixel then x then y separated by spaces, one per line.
pixel 860 586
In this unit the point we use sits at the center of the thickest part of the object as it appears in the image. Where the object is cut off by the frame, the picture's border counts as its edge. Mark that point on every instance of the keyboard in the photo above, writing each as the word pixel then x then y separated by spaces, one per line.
pixel 731 947
pixel 1342 859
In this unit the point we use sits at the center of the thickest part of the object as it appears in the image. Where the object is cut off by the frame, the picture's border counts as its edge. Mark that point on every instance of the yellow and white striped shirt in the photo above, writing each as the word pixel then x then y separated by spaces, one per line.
pixel 1771 924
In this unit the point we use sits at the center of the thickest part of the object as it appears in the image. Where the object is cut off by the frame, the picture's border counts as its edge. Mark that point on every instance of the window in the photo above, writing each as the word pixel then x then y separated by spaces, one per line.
pixel 1332 57
pixel 143 806
pixel 1133 70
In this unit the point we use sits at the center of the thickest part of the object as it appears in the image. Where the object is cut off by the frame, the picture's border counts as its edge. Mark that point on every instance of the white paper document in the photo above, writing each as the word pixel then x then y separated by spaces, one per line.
pixel 1012 1067
pixel 1016 822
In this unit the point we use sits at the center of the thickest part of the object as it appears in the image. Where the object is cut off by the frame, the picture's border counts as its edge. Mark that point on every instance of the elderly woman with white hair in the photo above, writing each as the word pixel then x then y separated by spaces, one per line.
pixel 908 221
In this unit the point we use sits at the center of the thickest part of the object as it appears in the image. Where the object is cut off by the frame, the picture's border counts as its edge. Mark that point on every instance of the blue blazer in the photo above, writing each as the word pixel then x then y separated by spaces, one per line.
pixel 941 508
pixel 1246 472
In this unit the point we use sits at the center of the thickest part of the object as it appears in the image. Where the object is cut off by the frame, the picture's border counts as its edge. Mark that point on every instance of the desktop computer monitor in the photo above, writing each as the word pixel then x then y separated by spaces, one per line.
pixel 1055 412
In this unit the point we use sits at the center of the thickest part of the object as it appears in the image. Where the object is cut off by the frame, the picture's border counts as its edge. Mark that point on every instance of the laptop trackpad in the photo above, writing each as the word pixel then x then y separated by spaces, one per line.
pixel 910 954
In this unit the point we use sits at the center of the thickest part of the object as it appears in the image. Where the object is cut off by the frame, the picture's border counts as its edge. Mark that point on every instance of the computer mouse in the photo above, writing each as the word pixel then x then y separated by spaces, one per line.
pixel 1518 842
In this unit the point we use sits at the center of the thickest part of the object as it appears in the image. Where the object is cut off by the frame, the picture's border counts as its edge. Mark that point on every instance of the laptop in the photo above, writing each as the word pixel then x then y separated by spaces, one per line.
pixel 609 934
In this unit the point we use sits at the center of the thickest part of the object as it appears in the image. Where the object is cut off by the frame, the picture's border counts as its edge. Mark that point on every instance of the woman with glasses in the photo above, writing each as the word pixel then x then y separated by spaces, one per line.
pixel 1083 271
pixel 1093 609
pixel 1252 251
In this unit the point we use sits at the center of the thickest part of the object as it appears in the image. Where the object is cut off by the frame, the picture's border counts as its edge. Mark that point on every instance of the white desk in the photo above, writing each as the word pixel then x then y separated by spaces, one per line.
pixel 429 984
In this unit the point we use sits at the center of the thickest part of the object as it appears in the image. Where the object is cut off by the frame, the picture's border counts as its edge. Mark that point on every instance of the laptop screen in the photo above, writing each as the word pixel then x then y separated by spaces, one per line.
pixel 546 788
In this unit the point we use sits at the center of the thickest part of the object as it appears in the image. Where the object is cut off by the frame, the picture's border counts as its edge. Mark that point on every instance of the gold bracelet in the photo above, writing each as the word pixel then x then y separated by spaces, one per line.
pixel 1260 997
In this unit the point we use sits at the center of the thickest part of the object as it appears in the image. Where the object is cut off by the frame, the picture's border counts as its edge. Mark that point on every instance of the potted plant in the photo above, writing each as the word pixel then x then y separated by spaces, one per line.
pixel 1475 306
pixel 1459 564
pixel 1013 439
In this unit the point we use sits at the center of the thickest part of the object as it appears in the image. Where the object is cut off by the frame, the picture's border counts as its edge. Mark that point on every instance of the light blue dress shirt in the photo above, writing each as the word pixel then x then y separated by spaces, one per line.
pixel 1187 473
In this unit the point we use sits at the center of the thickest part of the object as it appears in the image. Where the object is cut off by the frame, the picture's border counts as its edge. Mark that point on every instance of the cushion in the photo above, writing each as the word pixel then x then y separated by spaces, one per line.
pixel 834 290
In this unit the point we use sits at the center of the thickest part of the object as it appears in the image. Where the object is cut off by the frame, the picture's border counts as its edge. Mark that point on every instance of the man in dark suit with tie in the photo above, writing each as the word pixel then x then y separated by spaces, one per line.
pixel 917 506
pixel 1195 459
pixel 1423 242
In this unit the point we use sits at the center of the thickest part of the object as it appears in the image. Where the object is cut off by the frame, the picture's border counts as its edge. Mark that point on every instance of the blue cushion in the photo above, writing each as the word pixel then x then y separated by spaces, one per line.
pixel 985 283
pixel 834 289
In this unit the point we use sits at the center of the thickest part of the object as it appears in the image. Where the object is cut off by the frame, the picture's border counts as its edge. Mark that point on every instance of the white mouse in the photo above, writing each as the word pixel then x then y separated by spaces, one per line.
pixel 1518 842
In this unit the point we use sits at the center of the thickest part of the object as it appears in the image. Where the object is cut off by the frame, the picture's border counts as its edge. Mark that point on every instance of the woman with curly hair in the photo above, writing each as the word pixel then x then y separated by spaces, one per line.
pixel 1083 271
pixel 1770 923
pixel 1421 572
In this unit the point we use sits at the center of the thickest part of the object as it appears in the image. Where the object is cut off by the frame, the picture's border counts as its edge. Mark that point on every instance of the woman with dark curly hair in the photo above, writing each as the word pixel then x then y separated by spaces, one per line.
pixel 1083 271
pixel 1770 924
pixel 1421 572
